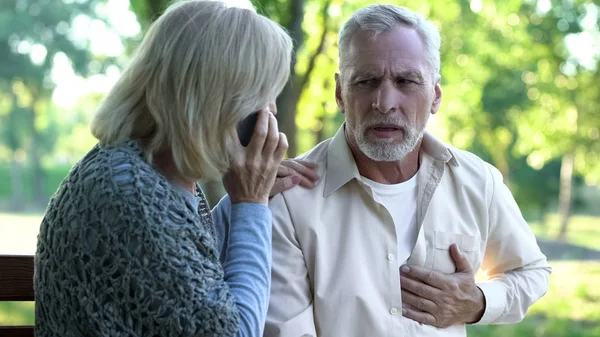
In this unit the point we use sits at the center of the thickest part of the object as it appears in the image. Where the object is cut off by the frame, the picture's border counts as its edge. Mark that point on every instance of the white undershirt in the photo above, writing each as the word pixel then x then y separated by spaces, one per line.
pixel 401 201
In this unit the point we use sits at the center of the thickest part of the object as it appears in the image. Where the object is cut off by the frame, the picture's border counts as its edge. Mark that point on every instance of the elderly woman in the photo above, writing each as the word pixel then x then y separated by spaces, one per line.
pixel 128 246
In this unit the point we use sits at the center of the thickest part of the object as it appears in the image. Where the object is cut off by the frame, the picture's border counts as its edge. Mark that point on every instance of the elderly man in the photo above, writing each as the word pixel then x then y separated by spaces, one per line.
pixel 388 241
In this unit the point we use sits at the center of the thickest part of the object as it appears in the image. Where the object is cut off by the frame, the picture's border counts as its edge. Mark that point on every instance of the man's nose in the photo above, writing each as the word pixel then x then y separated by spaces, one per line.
pixel 388 98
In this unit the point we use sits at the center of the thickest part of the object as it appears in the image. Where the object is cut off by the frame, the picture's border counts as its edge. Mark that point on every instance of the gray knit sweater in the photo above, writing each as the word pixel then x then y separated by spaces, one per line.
pixel 123 252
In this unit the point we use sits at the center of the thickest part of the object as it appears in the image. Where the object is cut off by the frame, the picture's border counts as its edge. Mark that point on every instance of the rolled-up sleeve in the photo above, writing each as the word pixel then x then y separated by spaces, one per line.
pixel 518 272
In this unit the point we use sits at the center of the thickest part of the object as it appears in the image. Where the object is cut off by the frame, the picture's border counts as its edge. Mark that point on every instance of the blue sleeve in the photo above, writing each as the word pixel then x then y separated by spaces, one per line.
pixel 244 238
pixel 220 216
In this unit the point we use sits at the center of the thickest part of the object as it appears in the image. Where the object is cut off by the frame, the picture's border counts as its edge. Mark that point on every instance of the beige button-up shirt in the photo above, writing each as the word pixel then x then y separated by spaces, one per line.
pixel 334 270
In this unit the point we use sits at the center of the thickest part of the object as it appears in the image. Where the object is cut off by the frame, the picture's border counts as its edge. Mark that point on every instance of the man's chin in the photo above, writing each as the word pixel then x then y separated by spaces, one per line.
pixel 372 141
pixel 383 156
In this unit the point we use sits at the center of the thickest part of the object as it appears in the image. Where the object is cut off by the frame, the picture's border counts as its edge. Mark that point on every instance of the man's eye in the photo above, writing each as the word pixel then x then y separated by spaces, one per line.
pixel 369 82
pixel 404 81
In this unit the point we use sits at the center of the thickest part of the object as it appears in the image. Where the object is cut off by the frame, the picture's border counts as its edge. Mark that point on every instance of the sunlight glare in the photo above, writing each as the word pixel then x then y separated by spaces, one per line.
pixel 476 6
pixel 38 54
pixel 240 3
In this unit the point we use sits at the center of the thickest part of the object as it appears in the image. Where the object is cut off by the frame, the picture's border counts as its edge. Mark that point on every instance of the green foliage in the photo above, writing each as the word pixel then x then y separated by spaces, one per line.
pixel 17 313
pixel 54 176
pixel 512 92
pixel 147 11
pixel 34 36
pixel 565 115
pixel 584 232
pixel 27 26
pixel 538 327
pixel 568 309
pixel 276 10
pixel 506 93
pixel 535 190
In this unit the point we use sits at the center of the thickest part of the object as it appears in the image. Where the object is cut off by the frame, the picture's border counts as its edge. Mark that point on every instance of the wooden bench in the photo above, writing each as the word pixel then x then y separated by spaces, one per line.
pixel 16 284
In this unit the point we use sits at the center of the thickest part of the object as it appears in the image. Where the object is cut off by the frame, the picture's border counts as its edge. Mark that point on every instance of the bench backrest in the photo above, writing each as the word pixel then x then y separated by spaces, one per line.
pixel 16 284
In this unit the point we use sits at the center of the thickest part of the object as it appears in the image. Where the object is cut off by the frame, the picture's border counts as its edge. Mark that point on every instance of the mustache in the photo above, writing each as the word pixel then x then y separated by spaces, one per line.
pixel 400 122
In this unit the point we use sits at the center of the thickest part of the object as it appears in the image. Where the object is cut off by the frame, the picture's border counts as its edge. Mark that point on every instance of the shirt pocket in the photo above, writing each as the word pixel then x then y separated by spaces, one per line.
pixel 442 260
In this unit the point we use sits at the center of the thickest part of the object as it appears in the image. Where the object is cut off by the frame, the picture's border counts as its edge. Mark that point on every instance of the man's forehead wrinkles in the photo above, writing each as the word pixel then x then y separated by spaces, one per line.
pixel 377 70
pixel 378 61
pixel 384 53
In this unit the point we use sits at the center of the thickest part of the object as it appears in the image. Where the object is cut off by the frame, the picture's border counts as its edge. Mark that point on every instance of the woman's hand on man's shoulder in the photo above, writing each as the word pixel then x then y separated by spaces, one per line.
pixel 294 172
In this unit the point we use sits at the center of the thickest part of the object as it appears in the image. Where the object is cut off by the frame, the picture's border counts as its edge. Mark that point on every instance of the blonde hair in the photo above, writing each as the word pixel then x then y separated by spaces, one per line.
pixel 383 18
pixel 201 68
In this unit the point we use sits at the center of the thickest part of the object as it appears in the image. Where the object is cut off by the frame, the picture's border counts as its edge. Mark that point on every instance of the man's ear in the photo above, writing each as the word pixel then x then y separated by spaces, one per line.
pixel 437 97
pixel 338 93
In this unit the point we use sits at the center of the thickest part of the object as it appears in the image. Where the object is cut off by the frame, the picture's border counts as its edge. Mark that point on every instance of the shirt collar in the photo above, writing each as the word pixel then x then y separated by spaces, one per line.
pixel 341 167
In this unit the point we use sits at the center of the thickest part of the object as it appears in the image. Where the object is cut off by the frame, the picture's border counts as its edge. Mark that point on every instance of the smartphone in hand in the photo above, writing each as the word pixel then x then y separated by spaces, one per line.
pixel 245 128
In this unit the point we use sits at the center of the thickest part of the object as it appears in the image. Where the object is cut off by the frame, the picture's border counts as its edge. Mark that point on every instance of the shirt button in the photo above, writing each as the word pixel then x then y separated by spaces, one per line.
pixel 393 311
pixel 391 257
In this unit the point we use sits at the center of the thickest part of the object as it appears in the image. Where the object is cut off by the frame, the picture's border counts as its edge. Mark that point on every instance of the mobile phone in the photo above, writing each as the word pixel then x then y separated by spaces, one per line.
pixel 245 128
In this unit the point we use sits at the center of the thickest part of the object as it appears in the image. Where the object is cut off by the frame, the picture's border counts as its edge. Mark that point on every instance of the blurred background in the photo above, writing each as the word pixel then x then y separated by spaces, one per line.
pixel 521 88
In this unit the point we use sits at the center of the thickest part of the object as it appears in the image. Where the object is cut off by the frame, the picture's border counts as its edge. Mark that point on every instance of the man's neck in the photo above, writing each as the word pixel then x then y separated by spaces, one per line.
pixel 393 172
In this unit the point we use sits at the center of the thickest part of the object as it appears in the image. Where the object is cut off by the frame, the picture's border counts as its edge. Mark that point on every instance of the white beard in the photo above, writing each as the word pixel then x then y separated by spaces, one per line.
pixel 386 150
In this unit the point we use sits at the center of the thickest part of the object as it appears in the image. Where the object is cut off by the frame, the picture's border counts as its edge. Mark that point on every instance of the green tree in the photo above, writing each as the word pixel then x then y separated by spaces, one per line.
pixel 291 15
pixel 508 91
pixel 33 35
pixel 564 121
pixel 498 80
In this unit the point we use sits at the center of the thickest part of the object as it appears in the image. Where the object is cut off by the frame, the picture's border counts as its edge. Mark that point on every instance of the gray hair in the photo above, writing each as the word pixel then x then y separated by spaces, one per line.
pixel 202 67
pixel 383 18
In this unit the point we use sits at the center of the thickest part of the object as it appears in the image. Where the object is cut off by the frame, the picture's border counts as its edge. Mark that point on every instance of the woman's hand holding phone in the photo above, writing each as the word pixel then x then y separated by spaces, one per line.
pixel 245 128
pixel 253 171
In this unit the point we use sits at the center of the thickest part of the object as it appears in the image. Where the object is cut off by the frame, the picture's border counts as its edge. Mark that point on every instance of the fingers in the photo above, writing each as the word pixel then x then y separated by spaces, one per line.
pixel 419 316
pixel 261 130
pixel 460 261
pixel 282 147
pixel 289 169
pixel 427 276
pixel 306 170
pixel 284 171
pixel 420 303
pixel 284 184
pixel 272 137
pixel 307 164
pixel 419 288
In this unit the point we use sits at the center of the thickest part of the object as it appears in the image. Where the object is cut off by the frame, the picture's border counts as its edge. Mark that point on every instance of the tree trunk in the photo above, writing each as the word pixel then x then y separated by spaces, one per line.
pixel 323 118
pixel 288 99
pixel 286 105
pixel 565 194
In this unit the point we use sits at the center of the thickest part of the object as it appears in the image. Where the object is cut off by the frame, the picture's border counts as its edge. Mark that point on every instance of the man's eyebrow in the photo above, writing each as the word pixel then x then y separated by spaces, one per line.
pixel 409 73
pixel 364 74
pixel 413 74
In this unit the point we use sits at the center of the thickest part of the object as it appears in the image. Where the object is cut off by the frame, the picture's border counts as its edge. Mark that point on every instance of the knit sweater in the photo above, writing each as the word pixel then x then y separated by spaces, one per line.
pixel 123 252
